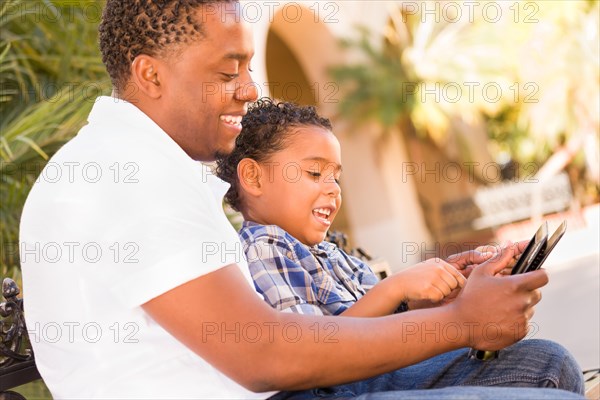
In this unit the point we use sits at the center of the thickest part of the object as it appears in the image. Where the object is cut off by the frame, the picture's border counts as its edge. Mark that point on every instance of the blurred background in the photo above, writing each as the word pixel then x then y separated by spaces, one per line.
pixel 461 123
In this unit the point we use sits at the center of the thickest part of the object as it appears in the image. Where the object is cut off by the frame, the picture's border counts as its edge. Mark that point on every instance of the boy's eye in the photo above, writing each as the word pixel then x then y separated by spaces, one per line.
pixel 314 174
pixel 317 175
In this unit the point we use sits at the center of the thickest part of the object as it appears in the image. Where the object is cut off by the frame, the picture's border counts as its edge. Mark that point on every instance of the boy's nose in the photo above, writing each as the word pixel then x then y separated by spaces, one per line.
pixel 333 188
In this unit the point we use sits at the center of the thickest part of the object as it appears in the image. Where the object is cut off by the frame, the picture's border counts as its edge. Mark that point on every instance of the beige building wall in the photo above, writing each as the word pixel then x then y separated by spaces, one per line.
pixel 296 43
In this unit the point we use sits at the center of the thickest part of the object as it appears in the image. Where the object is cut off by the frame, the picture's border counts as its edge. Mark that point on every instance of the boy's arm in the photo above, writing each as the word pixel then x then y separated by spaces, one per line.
pixel 424 285
pixel 294 351
pixel 429 280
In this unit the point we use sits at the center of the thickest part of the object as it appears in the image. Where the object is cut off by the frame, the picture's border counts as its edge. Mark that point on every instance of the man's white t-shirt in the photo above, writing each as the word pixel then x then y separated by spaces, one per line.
pixel 120 215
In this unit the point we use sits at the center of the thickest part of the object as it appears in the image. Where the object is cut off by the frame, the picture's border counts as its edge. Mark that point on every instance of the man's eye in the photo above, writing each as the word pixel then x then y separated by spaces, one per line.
pixel 231 76
pixel 314 174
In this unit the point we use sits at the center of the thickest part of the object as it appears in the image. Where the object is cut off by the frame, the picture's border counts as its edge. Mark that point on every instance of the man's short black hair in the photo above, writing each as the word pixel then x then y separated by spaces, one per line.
pixel 266 129
pixel 153 27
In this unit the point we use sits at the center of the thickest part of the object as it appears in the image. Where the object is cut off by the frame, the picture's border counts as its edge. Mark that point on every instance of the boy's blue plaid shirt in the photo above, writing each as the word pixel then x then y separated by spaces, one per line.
pixel 294 277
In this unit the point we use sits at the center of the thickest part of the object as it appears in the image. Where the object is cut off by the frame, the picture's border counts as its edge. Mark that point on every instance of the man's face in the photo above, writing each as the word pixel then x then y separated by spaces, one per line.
pixel 299 185
pixel 207 87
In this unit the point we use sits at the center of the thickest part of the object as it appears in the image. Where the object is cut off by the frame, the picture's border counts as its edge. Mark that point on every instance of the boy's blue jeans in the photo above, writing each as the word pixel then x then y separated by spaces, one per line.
pixel 529 370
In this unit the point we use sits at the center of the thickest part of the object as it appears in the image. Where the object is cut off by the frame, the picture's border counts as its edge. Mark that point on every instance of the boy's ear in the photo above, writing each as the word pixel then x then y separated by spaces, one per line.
pixel 249 175
pixel 145 75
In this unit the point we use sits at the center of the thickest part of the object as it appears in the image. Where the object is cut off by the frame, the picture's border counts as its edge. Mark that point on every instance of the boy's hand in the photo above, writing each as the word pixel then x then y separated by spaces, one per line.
pixel 431 280
pixel 465 262
pixel 495 311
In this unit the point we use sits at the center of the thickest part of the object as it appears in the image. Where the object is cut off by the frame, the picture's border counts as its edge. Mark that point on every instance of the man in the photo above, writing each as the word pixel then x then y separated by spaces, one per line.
pixel 137 269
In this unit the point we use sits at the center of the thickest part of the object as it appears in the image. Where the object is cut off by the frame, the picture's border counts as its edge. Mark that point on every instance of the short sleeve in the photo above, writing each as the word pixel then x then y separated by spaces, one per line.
pixel 183 236
pixel 282 281
pixel 133 239
pixel 362 271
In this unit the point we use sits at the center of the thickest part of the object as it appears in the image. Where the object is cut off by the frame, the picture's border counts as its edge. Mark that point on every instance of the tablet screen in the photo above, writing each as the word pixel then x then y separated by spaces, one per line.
pixel 535 246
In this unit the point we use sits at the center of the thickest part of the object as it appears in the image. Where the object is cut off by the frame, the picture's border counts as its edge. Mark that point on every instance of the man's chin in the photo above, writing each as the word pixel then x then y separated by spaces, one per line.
pixel 224 152
pixel 221 154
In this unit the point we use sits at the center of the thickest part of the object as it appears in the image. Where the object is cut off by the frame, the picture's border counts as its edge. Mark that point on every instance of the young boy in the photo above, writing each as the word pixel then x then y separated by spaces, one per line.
pixel 284 176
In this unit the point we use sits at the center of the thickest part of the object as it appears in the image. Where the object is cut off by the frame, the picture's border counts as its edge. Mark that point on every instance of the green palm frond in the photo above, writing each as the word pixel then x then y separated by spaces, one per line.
pixel 376 87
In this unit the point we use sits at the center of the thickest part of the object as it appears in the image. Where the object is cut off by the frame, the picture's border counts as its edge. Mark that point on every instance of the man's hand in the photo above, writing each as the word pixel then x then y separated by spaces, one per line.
pixel 519 247
pixel 497 310
pixel 467 260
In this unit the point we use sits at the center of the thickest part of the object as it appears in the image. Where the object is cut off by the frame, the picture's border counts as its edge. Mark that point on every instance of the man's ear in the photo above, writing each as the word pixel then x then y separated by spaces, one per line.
pixel 249 174
pixel 145 75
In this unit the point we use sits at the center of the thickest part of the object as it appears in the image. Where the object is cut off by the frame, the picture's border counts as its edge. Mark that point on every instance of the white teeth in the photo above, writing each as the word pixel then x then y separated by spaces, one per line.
pixel 232 119
pixel 322 215
pixel 325 211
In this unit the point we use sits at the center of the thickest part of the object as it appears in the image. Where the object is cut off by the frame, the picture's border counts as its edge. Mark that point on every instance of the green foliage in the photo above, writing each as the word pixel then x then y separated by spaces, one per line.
pixel 50 73
pixel 375 85
pixel 35 390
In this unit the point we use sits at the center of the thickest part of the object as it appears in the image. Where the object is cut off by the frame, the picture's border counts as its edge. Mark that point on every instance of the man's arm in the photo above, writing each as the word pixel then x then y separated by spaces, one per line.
pixel 221 318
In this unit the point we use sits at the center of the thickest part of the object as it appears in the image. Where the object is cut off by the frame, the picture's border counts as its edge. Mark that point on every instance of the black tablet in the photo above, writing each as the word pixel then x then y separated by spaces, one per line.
pixel 538 249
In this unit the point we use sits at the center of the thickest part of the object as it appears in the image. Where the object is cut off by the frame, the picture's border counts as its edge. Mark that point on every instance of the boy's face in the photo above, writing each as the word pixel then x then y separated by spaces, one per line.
pixel 299 185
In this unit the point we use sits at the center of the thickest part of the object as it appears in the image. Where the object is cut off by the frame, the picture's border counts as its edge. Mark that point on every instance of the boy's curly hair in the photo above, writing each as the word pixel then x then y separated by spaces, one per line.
pixel 153 27
pixel 265 130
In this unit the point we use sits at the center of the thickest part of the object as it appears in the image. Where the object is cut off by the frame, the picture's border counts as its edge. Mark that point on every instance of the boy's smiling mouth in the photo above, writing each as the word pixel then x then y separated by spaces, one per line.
pixel 322 214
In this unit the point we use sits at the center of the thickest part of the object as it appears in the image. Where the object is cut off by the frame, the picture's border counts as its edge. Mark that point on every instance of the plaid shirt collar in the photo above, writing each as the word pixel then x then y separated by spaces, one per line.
pixel 323 249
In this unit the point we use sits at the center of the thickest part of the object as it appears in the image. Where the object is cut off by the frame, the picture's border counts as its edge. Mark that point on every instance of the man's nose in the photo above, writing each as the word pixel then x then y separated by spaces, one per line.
pixel 247 92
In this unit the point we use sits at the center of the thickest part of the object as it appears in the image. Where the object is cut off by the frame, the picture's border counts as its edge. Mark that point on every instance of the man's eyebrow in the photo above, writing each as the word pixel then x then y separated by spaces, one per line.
pixel 323 160
pixel 236 56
